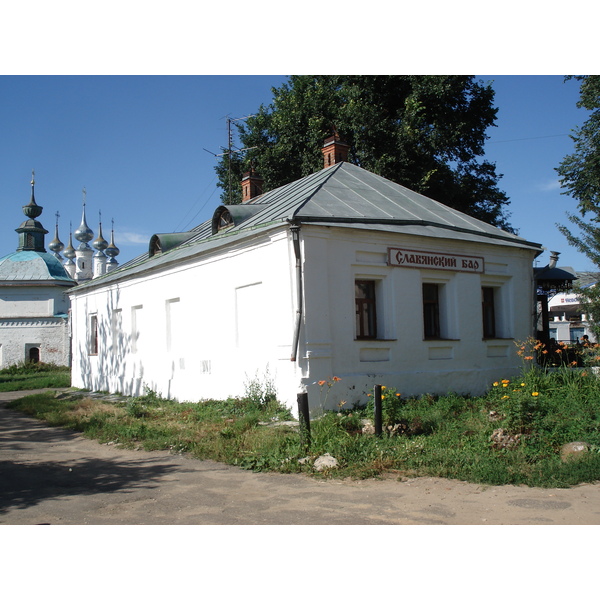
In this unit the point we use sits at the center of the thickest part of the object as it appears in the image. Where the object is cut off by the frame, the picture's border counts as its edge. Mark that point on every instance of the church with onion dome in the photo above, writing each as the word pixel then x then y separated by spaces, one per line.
pixel 34 304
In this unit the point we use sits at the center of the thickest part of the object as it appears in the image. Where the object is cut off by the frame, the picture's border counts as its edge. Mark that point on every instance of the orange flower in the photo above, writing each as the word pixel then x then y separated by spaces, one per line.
pixel 336 378
pixel 535 393
pixel 398 395
pixel 506 381
pixel 530 357
pixel 322 382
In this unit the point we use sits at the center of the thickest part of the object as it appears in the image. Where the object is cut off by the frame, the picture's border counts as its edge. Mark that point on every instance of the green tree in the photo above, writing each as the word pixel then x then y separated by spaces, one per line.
pixel 579 175
pixel 424 132
pixel 580 172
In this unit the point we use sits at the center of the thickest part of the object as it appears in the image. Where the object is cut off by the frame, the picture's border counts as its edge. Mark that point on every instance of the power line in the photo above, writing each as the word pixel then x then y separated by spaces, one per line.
pixel 541 137
pixel 193 206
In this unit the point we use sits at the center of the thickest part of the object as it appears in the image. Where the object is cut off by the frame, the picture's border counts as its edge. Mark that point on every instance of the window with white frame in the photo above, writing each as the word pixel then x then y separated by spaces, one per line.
pixel 431 311
pixel 495 307
pixel 365 297
pixel 488 311
pixel 93 335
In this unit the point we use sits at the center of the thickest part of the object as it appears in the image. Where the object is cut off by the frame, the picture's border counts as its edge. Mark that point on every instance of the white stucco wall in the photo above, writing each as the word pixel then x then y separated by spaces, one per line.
pixel 463 362
pixel 28 319
pixel 204 329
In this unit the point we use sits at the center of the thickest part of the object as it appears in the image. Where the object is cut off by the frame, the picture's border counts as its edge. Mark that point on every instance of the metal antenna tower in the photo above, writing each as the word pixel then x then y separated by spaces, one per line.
pixel 230 150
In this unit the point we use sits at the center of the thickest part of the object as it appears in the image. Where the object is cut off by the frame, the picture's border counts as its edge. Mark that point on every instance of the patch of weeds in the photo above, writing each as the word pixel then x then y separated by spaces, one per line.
pixel 34 376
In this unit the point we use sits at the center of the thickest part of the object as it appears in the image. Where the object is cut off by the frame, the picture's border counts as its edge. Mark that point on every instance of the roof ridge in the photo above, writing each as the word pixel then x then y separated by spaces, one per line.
pixel 333 168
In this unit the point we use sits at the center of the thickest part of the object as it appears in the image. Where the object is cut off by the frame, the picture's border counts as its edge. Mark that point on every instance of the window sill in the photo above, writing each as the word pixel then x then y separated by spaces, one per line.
pixel 359 339
pixel 441 339
pixel 497 339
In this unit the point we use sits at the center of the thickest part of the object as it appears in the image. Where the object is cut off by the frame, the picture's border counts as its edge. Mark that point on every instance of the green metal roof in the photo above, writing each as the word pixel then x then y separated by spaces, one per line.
pixel 28 266
pixel 343 195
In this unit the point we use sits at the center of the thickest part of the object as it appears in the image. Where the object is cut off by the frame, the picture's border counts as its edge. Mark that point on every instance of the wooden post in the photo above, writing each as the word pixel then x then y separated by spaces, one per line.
pixel 304 418
pixel 377 415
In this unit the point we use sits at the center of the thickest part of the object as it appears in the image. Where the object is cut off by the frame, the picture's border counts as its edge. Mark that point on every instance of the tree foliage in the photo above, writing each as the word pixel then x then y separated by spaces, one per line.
pixel 424 132
pixel 579 174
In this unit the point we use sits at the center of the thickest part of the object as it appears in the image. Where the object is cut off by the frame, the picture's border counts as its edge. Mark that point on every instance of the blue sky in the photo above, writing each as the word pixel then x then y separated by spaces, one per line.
pixel 141 145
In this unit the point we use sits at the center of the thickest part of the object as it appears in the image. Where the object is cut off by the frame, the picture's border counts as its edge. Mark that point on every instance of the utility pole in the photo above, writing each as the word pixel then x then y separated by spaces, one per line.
pixel 231 151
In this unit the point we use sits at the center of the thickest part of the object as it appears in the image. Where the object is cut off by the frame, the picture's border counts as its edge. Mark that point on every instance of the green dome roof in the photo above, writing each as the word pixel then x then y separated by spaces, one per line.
pixel 29 266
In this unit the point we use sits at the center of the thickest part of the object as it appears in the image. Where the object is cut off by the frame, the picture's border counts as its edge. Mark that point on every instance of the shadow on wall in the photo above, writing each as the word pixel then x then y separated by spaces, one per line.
pixel 113 346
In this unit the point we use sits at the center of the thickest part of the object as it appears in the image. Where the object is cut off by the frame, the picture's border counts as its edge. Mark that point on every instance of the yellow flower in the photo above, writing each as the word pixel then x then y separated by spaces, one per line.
pixel 505 397
pixel 496 384
pixel 522 385
pixel 535 393
pixel 505 385
pixel 383 387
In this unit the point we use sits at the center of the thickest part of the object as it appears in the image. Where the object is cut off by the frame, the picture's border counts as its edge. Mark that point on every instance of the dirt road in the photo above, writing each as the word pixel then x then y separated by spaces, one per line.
pixel 52 476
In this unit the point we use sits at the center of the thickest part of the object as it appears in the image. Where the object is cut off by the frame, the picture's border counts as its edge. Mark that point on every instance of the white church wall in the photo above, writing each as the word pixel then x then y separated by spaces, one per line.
pixel 27 320
pixel 201 330
pixel 461 360
pixel 39 301
pixel 49 335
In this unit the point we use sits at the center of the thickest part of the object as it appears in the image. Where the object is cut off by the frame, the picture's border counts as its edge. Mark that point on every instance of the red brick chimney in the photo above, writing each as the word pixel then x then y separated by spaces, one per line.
pixel 252 185
pixel 334 151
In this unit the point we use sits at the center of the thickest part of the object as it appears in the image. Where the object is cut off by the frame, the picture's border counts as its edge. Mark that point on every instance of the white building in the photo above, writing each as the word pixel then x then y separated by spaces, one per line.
pixel 342 273
pixel 567 319
pixel 34 305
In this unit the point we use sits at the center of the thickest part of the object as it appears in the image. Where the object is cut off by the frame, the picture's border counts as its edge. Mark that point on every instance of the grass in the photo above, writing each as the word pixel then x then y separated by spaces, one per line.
pixel 34 376
pixel 449 436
